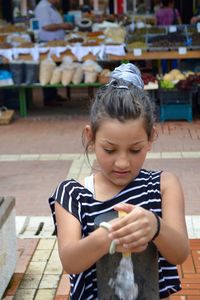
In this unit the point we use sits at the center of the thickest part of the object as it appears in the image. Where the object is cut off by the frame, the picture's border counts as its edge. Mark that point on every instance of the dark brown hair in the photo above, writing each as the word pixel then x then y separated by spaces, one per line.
pixel 120 100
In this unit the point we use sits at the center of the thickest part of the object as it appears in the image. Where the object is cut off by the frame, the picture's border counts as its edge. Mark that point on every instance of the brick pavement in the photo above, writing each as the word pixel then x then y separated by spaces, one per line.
pixel 46 145
pixel 39 275
pixel 45 149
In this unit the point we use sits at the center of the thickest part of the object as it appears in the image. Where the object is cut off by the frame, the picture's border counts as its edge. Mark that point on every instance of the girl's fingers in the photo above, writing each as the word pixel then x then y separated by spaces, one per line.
pixel 124 207
pixel 122 228
pixel 133 240
pixel 123 221
pixel 138 248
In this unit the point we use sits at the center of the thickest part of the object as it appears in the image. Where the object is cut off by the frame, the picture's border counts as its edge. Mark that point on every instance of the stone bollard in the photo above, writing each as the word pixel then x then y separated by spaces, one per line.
pixel 145 270
pixel 8 248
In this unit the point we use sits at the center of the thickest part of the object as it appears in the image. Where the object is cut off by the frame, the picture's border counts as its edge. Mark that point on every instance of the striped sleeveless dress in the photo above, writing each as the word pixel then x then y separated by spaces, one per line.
pixel 143 191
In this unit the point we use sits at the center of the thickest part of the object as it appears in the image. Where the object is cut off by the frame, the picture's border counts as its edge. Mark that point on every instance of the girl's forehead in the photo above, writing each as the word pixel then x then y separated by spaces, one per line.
pixel 113 128
pixel 114 123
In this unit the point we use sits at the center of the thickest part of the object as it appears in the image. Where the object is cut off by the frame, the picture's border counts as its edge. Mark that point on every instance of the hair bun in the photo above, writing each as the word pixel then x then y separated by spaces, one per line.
pixel 128 72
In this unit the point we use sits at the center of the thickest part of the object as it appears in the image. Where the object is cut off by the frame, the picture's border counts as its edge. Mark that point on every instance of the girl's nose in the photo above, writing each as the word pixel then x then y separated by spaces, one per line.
pixel 122 163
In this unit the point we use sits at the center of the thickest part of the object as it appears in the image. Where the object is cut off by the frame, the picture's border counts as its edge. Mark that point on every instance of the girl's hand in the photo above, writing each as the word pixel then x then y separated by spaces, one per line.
pixel 133 231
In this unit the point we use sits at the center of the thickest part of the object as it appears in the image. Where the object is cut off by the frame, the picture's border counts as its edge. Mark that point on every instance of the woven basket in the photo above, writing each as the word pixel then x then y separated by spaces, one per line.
pixel 6 115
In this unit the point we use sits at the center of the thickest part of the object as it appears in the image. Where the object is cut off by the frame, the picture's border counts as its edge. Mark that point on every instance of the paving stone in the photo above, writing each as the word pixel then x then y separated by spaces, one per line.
pixel 49 157
pixel 64 286
pixel 49 281
pixel 53 268
pixel 14 284
pixel 27 157
pixel 36 268
pixel 46 244
pixel 45 294
pixel 188 266
pixel 179 297
pixel 30 281
pixel 28 246
pixel 151 155
pixel 8 157
pixel 171 154
pixel 54 258
pixel 192 154
pixel 56 245
pixel 61 297
pixel 25 294
pixel 22 263
pixel 41 255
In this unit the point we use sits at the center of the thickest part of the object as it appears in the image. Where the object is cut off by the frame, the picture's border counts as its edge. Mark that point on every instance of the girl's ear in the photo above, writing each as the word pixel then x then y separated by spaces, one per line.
pixel 154 134
pixel 153 137
pixel 89 135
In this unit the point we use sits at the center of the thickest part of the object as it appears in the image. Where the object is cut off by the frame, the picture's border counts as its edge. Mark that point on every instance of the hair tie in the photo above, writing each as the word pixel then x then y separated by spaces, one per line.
pixel 112 83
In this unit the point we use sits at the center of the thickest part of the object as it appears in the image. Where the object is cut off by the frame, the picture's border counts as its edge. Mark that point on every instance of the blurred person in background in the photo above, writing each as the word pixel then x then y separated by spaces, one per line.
pixel 196 18
pixel 52 27
pixel 156 5
pixel 167 14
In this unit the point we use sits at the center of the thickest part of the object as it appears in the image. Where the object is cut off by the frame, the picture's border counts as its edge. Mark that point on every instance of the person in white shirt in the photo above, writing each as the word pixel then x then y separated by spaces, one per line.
pixel 52 28
pixel 51 22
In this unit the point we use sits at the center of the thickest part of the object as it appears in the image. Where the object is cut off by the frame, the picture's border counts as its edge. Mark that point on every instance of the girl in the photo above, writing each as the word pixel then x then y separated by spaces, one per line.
pixel 121 132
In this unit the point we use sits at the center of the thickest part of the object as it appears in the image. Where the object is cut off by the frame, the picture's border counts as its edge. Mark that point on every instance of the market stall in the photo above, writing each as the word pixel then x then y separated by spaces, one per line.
pixel 106 42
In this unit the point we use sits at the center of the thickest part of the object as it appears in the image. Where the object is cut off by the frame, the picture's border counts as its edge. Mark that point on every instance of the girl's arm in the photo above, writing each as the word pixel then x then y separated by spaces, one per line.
pixel 138 227
pixel 78 254
pixel 172 241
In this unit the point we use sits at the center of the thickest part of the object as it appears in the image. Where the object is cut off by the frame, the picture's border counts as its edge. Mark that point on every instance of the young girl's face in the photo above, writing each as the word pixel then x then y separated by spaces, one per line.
pixel 121 149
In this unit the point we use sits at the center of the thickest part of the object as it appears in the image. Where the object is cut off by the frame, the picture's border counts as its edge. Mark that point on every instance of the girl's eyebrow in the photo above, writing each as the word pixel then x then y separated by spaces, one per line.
pixel 133 144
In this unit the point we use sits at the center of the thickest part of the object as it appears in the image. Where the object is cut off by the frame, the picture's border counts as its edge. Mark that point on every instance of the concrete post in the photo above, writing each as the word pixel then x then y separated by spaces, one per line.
pixel 8 241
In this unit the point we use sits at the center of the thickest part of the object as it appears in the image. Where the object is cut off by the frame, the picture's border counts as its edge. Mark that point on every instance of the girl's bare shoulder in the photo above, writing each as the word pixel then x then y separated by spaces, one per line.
pixel 169 180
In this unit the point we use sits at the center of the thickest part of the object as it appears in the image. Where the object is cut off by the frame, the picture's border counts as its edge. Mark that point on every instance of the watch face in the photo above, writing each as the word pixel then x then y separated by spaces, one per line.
pixel 105 217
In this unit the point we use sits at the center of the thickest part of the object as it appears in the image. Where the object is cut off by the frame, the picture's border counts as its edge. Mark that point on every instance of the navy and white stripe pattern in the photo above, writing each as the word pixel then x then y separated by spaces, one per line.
pixel 144 191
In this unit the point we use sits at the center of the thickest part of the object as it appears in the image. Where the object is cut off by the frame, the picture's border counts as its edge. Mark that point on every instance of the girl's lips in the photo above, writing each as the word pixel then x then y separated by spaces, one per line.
pixel 121 173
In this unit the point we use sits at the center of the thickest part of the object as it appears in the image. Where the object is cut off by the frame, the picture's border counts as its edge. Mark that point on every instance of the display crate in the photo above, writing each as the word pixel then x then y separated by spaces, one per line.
pixel 175 96
pixel 176 112
pixel 175 105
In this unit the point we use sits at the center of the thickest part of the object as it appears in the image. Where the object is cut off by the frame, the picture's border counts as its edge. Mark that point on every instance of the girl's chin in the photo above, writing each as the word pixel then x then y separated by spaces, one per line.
pixel 121 180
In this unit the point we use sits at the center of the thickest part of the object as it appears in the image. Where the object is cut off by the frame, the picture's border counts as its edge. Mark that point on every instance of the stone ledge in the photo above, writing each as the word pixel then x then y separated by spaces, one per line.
pixel 6 205
pixel 8 242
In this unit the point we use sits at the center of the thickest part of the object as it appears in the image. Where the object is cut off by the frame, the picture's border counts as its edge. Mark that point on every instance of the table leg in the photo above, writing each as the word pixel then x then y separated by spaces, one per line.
pixel 22 102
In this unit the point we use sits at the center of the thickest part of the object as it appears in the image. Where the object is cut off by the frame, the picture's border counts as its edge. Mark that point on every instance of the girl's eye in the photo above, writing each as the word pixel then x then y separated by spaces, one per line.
pixel 109 150
pixel 135 151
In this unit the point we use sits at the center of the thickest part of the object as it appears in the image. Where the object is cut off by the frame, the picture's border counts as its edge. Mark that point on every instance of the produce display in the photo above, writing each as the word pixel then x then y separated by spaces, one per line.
pixel 12 28
pixel 190 82
pixel 56 43
pixel 148 77
pixel 166 84
pixel 151 37
pixel 174 75
pixel 170 40
pixel 69 72
pixel 177 79
pixel 195 39
pixel 136 44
